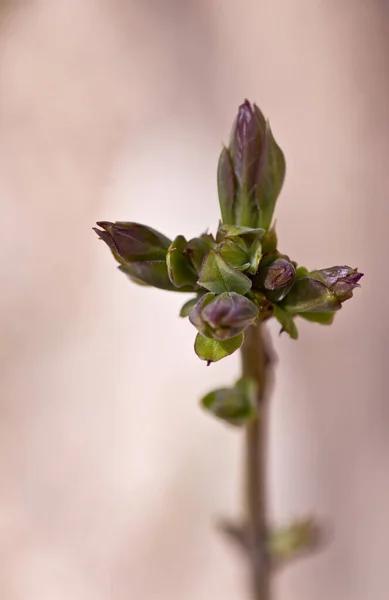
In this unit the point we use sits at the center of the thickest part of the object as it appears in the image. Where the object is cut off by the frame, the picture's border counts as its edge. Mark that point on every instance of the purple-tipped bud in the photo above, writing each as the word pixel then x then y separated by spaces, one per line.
pixel 310 295
pixel 224 316
pixel 251 171
pixel 322 291
pixel 246 144
pixel 275 279
pixel 132 242
pixel 141 252
pixel 340 280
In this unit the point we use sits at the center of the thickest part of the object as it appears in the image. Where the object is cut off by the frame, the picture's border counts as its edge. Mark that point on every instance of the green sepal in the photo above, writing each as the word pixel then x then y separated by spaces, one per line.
pixel 226 186
pixel 153 273
pixel 269 241
pixel 197 248
pixel 299 537
pixel 287 322
pixel 322 318
pixel 212 350
pixel 231 231
pixel 218 277
pixel 187 307
pixel 180 269
pixel 301 272
pixel 235 405
pixel 270 178
pixel 310 295
pixel 234 252
pixel 255 256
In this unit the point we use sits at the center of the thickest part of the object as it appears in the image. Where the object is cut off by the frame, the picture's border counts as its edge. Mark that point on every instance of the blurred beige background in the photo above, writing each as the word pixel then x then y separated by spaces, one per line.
pixel 111 476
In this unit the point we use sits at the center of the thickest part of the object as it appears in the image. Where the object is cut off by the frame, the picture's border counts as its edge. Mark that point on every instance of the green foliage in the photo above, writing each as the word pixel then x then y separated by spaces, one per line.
pixel 217 276
pixel 301 536
pixel 287 322
pixel 180 268
pixel 235 405
pixel 186 308
pixel 212 350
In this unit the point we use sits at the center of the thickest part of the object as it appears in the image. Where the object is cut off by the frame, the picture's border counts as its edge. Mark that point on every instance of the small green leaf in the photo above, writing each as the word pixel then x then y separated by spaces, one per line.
pixel 287 322
pixel 269 241
pixel 234 253
pixel 270 178
pixel 235 405
pixel 322 318
pixel 198 247
pixel 299 537
pixel 180 269
pixel 154 273
pixel 231 231
pixel 187 307
pixel 301 272
pixel 310 295
pixel 255 257
pixel 213 350
pixel 249 387
pixel 226 186
pixel 218 277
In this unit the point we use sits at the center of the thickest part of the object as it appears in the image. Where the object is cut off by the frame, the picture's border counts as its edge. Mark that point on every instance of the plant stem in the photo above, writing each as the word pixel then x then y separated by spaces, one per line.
pixel 256 361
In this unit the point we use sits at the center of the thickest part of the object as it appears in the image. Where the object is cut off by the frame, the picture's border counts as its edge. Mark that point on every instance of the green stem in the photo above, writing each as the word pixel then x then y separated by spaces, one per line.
pixel 255 364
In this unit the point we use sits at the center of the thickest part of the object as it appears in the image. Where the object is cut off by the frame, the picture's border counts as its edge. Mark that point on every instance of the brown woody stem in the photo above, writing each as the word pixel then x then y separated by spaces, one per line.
pixel 256 362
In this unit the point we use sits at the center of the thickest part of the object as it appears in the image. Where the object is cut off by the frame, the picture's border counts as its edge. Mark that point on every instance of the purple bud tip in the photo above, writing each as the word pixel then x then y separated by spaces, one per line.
pixel 105 236
pixel 353 278
pixel 104 224
pixel 98 231
pixel 246 111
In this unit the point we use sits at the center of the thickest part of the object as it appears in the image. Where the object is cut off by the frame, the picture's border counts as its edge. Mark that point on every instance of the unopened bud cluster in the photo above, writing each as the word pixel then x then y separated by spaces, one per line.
pixel 238 277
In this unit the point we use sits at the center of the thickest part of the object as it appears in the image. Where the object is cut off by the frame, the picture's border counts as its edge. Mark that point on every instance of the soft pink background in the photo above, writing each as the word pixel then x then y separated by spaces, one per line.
pixel 111 477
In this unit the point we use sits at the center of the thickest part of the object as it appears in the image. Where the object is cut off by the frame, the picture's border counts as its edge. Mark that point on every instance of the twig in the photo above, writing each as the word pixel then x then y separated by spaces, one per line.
pixel 256 363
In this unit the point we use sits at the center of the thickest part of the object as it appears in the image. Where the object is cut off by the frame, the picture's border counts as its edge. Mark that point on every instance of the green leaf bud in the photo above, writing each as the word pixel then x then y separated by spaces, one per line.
pixel 301 536
pixel 235 405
